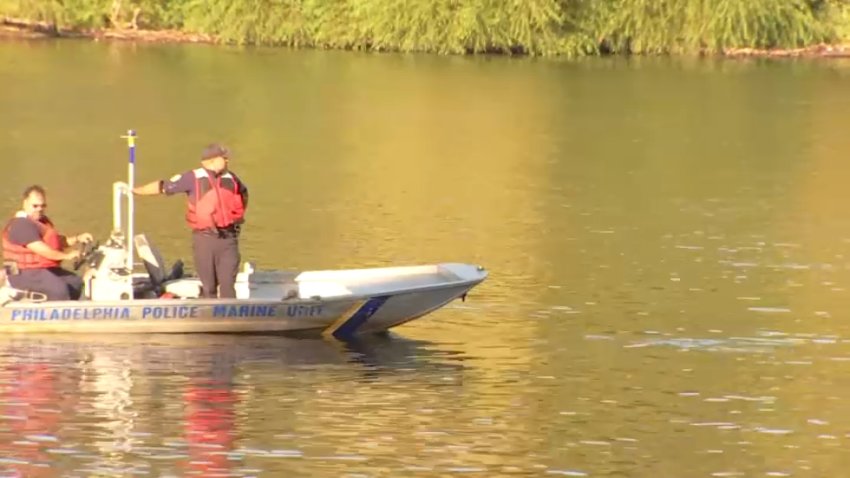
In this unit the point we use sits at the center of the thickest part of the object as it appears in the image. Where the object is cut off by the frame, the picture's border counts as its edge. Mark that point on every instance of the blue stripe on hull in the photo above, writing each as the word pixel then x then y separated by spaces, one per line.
pixel 347 329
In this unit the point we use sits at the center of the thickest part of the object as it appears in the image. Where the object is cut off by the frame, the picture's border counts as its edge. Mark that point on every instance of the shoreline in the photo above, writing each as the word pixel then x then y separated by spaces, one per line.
pixel 14 29
pixel 822 50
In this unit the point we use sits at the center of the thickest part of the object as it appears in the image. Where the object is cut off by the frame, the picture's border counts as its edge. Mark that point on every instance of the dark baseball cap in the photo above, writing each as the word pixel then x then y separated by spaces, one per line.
pixel 215 150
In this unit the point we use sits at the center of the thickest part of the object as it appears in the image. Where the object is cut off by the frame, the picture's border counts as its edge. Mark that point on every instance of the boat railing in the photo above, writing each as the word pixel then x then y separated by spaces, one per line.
pixel 121 192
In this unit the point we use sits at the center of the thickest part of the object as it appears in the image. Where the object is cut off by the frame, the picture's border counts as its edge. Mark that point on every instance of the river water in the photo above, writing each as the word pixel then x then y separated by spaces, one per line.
pixel 668 243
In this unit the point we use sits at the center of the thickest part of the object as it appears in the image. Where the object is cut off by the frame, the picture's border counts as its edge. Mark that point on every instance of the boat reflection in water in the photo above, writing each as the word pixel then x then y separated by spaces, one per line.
pixel 182 404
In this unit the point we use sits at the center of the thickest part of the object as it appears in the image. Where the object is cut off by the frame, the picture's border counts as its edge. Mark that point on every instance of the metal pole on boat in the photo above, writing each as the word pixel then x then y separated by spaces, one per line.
pixel 131 176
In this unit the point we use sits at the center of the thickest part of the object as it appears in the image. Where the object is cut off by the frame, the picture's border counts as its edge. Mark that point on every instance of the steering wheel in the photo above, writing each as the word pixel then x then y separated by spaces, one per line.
pixel 87 253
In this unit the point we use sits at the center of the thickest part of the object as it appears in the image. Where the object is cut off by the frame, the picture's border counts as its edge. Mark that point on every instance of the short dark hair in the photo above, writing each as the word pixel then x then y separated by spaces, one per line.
pixel 35 188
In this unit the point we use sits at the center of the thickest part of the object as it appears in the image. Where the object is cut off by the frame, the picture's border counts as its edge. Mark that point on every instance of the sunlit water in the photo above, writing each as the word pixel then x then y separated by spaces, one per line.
pixel 667 240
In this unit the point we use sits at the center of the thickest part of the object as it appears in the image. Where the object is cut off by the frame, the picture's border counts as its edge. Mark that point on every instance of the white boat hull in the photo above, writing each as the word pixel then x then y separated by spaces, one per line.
pixel 344 316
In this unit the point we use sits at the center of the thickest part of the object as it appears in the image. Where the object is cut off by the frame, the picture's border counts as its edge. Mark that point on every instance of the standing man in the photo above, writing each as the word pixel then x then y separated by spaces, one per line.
pixel 216 203
pixel 36 248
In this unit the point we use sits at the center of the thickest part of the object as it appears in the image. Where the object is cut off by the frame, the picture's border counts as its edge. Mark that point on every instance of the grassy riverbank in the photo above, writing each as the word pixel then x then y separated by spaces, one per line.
pixel 533 27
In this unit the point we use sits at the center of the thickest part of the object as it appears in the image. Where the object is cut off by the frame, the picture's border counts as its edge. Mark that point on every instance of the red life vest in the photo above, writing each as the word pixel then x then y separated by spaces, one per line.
pixel 25 258
pixel 217 203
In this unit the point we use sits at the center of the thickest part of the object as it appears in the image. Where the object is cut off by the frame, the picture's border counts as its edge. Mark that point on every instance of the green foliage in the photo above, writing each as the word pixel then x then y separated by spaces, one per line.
pixel 534 27
pixel 836 16
pixel 97 13
pixel 451 26
pixel 248 21
pixel 758 23
pixel 64 13
pixel 675 26
pixel 444 26
pixel 38 10
pixel 156 14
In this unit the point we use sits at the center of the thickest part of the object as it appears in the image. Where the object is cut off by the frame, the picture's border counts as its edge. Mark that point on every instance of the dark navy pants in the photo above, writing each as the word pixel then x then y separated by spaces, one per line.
pixel 56 283
pixel 216 262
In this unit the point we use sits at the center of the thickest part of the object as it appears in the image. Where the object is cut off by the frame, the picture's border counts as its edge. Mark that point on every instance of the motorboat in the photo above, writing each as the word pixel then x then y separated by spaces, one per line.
pixel 128 288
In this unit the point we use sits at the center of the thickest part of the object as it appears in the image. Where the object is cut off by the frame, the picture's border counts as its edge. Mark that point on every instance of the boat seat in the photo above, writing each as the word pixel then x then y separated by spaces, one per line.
pixel 154 264
pixel 186 288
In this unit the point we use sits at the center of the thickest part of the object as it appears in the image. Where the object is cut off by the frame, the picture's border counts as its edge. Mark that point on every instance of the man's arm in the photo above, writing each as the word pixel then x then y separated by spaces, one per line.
pixel 24 233
pixel 150 189
pixel 180 183
pixel 42 249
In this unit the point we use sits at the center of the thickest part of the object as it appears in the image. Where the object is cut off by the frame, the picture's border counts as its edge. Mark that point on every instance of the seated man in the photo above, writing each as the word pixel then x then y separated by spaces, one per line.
pixel 31 242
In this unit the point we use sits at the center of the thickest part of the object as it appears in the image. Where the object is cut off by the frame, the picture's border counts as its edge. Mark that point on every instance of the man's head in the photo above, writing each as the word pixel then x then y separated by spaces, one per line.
pixel 35 201
pixel 215 158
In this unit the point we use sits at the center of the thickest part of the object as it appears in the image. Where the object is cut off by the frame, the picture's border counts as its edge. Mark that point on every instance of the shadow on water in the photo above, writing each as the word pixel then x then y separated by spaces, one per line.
pixel 189 352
